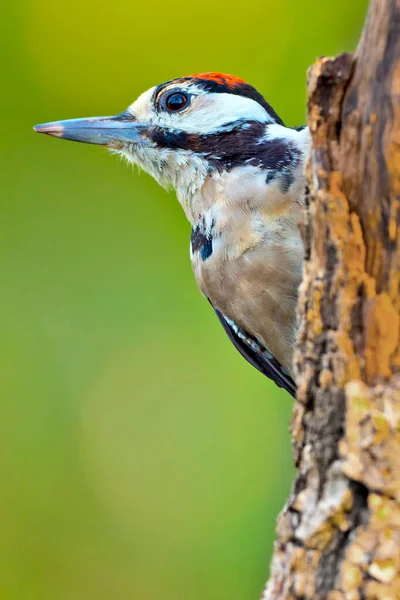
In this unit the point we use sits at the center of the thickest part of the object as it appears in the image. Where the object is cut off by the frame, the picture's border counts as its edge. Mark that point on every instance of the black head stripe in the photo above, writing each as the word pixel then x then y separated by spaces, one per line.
pixel 229 148
pixel 239 89
pixel 230 140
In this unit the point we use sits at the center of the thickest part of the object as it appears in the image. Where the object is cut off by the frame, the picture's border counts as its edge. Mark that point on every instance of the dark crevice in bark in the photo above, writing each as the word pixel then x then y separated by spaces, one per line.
pixel 327 576
pixel 326 431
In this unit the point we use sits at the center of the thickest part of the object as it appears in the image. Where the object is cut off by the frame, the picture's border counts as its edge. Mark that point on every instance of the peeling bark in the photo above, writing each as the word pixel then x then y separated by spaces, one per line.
pixel 339 534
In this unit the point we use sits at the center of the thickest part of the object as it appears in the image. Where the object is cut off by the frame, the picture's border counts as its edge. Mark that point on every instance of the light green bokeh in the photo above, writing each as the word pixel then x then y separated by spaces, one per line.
pixel 142 458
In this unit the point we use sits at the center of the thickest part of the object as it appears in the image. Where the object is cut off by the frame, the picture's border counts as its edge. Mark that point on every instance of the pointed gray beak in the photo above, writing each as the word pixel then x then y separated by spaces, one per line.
pixel 104 131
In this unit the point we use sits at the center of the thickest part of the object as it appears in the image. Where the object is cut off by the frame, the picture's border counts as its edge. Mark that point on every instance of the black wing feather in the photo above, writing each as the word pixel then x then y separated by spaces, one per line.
pixel 257 355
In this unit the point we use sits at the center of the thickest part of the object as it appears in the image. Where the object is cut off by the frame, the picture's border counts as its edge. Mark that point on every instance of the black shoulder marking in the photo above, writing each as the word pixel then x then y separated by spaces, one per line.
pixel 201 240
pixel 278 154
pixel 257 355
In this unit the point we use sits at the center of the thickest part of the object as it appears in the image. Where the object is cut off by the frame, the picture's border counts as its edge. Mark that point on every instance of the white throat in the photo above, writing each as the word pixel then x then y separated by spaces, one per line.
pixel 183 171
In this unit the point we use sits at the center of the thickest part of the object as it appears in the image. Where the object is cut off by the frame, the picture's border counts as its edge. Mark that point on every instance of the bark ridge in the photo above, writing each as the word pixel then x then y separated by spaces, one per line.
pixel 338 536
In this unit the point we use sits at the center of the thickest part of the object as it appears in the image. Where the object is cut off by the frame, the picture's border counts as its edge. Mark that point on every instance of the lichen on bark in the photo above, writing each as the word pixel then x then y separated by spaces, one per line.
pixel 339 535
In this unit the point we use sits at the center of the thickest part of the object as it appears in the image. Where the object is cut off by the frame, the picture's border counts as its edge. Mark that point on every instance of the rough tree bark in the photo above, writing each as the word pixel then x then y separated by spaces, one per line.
pixel 339 534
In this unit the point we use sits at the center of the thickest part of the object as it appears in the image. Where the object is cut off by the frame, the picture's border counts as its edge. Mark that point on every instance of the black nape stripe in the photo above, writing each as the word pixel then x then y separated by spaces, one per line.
pixel 222 85
pixel 240 89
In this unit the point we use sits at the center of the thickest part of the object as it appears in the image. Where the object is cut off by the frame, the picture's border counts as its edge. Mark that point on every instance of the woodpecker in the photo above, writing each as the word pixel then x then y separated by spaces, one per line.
pixel 238 173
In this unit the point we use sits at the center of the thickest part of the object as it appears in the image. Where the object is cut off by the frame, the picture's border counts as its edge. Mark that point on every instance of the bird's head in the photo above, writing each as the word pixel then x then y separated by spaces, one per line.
pixel 182 131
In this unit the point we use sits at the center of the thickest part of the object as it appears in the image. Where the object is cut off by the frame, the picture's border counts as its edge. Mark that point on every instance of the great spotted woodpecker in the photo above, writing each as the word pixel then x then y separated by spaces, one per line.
pixel 239 175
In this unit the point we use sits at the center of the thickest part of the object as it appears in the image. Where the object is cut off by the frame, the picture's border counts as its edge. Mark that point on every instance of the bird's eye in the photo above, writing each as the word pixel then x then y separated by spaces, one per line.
pixel 176 101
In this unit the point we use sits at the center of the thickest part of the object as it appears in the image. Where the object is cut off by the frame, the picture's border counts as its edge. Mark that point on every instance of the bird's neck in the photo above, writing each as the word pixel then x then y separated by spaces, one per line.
pixel 267 184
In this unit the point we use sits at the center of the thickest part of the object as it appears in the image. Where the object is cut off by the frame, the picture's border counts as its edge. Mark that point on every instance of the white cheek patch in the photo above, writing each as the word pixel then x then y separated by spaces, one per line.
pixel 279 132
pixel 209 112
pixel 142 109
pixel 301 138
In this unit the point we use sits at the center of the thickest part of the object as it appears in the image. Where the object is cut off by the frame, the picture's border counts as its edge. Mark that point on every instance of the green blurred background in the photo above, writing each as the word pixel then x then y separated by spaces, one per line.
pixel 141 457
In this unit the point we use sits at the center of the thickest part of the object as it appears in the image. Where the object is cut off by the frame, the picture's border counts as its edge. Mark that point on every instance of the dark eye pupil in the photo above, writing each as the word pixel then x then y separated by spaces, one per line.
pixel 176 102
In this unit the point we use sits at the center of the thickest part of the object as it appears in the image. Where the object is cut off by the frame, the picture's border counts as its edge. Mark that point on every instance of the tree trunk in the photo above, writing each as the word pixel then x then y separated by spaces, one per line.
pixel 339 534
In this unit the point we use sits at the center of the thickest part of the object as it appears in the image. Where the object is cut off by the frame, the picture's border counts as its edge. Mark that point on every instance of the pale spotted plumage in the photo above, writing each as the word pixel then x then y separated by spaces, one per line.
pixel 253 272
pixel 239 175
